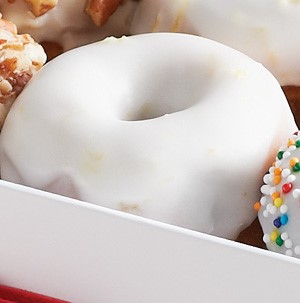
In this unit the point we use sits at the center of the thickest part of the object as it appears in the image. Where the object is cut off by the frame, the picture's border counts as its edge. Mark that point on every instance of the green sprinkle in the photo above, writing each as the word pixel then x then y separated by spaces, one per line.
pixel 296 167
pixel 280 155
pixel 297 143
pixel 279 241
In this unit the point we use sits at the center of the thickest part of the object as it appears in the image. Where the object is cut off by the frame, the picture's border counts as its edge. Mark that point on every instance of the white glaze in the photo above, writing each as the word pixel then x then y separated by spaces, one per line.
pixel 171 127
pixel 265 30
pixel 67 23
pixel 270 210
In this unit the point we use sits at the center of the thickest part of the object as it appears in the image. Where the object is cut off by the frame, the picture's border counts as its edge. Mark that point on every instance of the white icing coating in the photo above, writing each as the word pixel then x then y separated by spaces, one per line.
pixel 265 30
pixel 172 127
pixel 67 23
pixel 282 226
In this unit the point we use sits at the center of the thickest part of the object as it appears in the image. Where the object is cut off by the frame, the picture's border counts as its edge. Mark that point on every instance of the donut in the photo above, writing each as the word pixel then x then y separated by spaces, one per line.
pixel 69 23
pixel 278 208
pixel 171 127
pixel 20 58
pixel 266 30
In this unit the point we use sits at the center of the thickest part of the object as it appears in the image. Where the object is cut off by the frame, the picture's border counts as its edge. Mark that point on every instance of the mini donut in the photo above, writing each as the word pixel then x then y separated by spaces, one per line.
pixel 69 23
pixel 279 206
pixel 20 58
pixel 266 30
pixel 172 127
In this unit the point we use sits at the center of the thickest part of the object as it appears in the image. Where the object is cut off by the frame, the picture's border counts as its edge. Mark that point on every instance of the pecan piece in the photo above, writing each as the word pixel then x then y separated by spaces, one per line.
pixel 101 10
pixel 40 7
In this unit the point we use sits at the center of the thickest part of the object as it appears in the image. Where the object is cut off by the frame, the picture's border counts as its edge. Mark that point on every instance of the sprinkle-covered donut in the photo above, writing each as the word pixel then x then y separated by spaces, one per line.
pixel 267 31
pixel 172 127
pixel 279 206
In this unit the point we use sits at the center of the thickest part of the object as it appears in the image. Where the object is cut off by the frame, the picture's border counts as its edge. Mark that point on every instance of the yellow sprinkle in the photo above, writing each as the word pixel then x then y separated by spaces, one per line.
pixel 278 202
pixel 277 180
pixel 293 161
pixel 274 235
pixel 291 142
pixel 275 195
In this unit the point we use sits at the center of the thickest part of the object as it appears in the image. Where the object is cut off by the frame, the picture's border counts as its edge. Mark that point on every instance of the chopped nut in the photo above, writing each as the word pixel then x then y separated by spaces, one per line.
pixel 101 10
pixel 20 58
pixel 5 87
pixel 40 7
pixel 8 26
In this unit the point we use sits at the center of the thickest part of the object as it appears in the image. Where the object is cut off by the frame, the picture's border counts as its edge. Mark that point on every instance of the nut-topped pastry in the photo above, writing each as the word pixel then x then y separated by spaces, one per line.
pixel 69 23
pixel 20 58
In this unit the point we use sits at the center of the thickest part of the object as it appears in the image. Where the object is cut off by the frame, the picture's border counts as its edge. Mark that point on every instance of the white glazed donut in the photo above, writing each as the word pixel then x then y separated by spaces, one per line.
pixel 171 127
pixel 67 23
pixel 279 206
pixel 265 30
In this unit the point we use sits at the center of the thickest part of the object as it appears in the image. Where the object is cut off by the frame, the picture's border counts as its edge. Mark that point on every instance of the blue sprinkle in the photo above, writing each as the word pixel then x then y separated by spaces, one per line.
pixel 277 222
pixel 284 219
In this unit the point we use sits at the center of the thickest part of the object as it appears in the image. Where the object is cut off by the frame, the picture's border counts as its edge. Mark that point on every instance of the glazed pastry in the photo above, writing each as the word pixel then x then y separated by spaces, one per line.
pixel 264 30
pixel 172 127
pixel 20 58
pixel 278 208
pixel 69 23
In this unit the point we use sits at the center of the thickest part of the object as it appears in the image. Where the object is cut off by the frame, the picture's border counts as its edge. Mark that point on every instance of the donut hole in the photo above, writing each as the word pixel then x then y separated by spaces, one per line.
pixel 167 92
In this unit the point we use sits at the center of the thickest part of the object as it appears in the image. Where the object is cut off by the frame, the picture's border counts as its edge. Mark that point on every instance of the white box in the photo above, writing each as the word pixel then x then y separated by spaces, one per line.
pixel 88 254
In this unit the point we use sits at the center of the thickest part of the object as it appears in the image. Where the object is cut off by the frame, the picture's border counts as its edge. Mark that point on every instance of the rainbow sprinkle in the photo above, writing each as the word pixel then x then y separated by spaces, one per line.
pixel 278 193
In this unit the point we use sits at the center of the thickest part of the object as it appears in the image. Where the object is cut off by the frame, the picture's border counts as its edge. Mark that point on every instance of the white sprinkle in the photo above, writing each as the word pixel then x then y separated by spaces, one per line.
pixel 283 208
pixel 273 210
pixel 271 169
pixel 269 205
pixel 297 250
pixel 272 190
pixel 282 148
pixel 286 154
pixel 265 213
pixel 263 200
pixel 289 252
pixel 285 172
pixel 291 178
pixel 266 238
pixel 278 163
pixel 284 236
pixel 296 193
pixel 288 243
pixel 265 189
pixel 267 178
pixel 292 148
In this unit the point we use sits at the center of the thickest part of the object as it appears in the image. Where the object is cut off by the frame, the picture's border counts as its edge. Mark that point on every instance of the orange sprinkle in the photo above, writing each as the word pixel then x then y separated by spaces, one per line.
pixel 291 142
pixel 257 206
pixel 293 161
pixel 277 171
pixel 275 195
pixel 277 179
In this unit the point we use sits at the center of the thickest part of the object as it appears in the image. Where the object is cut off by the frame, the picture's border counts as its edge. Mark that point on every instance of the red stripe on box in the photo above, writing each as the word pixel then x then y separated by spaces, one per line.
pixel 15 295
